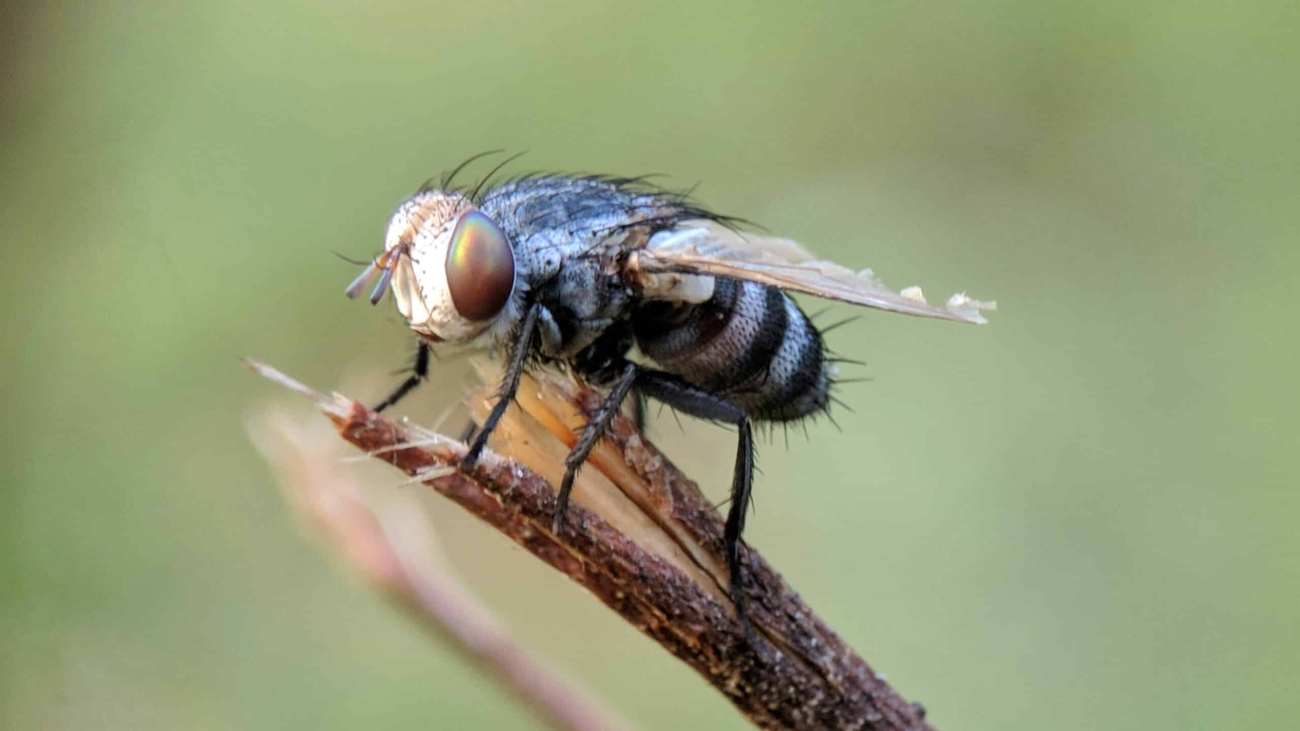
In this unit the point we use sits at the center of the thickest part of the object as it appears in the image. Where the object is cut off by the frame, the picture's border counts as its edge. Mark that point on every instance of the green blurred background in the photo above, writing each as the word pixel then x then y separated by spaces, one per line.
pixel 1081 515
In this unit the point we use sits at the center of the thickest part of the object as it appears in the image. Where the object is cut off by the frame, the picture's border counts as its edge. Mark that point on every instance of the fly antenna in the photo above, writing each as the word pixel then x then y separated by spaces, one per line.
pixel 354 289
pixel 381 286
pixel 382 267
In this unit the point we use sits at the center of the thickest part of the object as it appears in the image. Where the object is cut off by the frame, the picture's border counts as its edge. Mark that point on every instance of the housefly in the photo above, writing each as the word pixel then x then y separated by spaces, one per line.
pixel 577 270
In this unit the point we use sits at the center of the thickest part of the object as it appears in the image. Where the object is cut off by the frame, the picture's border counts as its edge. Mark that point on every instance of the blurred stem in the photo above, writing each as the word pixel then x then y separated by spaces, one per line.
pixel 643 540
pixel 394 548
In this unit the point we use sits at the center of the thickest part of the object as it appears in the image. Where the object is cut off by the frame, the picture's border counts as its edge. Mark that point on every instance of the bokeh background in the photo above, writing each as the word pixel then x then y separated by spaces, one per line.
pixel 1083 514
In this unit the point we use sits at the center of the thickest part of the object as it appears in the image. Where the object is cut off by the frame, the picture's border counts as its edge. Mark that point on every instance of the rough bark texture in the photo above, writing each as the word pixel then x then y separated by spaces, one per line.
pixel 642 539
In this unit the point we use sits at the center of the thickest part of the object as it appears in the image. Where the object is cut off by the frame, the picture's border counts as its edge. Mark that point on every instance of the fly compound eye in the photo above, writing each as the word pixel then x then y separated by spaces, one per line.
pixel 480 267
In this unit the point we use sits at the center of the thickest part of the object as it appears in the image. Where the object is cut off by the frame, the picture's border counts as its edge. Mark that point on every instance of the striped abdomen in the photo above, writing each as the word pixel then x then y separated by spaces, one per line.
pixel 749 342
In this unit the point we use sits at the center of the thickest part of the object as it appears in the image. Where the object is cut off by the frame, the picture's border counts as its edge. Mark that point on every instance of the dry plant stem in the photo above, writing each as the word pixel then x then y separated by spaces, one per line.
pixel 642 538
pixel 393 547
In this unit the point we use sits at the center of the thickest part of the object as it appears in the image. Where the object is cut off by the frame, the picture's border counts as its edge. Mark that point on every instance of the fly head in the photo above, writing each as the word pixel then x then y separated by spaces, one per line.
pixel 450 266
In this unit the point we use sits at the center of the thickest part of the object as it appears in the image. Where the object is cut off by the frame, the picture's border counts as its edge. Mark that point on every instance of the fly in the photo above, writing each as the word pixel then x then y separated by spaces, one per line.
pixel 579 270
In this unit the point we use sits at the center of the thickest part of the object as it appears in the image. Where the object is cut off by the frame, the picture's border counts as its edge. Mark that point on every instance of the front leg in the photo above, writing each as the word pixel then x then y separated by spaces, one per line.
pixel 519 353
pixel 419 371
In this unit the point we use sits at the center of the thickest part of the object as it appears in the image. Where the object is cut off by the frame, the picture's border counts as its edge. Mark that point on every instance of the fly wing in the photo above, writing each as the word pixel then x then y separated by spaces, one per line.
pixel 706 248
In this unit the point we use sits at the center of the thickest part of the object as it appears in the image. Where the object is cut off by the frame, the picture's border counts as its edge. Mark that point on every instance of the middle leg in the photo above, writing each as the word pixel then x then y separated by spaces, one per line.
pixel 591 434
pixel 697 402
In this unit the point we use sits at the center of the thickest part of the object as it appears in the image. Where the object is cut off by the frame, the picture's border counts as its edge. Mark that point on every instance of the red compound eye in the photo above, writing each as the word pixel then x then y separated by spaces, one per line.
pixel 480 267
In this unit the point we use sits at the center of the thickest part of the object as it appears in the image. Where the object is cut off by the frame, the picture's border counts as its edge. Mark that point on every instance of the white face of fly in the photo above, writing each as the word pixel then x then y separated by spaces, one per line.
pixel 419 235
pixel 452 270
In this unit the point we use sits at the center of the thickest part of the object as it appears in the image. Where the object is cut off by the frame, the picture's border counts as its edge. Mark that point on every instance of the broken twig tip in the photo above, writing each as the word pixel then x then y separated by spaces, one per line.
pixel 334 404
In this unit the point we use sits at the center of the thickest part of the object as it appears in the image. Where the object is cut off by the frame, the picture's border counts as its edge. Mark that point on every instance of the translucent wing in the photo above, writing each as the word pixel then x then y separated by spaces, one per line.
pixel 706 248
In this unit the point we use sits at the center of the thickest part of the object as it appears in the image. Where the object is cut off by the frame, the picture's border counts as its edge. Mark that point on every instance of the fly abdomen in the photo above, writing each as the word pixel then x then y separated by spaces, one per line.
pixel 749 342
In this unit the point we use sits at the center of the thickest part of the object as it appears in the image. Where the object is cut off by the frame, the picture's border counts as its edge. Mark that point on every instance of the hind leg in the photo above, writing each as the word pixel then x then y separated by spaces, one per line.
pixel 591 434
pixel 705 405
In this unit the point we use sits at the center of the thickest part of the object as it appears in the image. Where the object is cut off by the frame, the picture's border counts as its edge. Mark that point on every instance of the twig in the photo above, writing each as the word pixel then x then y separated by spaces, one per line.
pixel 642 538
pixel 394 549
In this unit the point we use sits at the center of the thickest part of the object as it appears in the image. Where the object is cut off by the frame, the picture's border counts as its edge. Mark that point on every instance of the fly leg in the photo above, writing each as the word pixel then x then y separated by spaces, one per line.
pixel 684 397
pixel 509 384
pixel 419 370
pixel 468 432
pixel 700 403
pixel 638 415
pixel 591 434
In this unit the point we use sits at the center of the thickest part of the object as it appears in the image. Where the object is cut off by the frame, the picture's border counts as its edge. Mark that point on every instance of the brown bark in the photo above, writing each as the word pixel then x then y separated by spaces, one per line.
pixel 642 538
